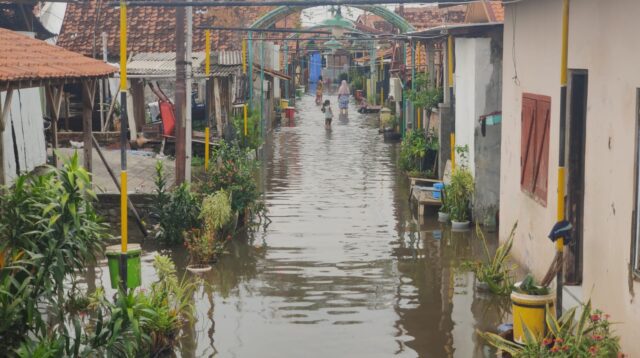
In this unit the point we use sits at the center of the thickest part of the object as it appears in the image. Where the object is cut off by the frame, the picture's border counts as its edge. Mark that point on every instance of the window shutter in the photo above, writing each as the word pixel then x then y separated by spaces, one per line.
pixel 534 146
pixel 527 144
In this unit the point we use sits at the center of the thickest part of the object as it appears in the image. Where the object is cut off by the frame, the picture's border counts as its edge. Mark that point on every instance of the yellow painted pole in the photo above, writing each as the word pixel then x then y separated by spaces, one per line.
pixel 123 95
pixel 561 160
pixel 450 61
pixel 207 70
pixel 419 118
pixel 246 132
pixel 453 151
pixel 244 56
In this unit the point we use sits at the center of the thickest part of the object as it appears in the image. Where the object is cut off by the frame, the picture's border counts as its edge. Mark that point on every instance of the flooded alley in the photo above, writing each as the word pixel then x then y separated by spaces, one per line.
pixel 344 269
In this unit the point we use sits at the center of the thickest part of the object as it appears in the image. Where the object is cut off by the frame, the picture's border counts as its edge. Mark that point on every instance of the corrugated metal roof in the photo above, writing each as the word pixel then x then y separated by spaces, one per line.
pixel 23 59
pixel 149 65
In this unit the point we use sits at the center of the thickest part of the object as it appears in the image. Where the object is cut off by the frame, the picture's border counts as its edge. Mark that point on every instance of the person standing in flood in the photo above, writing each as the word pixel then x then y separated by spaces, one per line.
pixel 343 97
pixel 319 90
pixel 328 114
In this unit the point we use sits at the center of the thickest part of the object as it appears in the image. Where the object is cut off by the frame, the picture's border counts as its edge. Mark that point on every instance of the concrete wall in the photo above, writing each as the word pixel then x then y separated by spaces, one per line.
pixel 478 91
pixel 24 143
pixel 602 40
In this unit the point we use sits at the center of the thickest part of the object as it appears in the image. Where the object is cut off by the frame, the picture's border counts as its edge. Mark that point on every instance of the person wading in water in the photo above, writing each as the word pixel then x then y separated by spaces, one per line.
pixel 343 97
pixel 328 114
pixel 319 90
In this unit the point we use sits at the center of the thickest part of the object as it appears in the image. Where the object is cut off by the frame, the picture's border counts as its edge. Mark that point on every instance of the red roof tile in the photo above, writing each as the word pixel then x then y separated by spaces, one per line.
pixel 496 8
pixel 424 17
pixel 150 29
pixel 24 58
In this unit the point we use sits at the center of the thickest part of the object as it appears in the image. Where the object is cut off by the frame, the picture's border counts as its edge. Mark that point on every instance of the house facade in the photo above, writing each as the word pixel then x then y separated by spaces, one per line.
pixel 601 148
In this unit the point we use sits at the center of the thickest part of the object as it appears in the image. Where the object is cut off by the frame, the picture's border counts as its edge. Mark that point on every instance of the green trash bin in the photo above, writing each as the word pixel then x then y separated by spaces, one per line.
pixel 134 272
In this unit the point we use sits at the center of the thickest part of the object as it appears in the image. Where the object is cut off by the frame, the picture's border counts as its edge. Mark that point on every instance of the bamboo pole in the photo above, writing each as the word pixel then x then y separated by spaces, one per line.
pixel 207 71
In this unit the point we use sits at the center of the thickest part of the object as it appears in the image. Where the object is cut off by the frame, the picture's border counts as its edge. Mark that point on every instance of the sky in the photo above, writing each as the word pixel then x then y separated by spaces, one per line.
pixel 315 15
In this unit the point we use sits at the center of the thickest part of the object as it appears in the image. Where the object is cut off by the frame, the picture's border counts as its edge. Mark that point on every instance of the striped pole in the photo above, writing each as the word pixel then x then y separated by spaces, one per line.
pixel 124 123
pixel 207 72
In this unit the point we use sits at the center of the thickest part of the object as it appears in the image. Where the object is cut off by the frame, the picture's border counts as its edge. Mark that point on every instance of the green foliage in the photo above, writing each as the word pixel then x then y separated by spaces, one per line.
pixel 529 286
pixel 176 211
pixel 422 96
pixel 414 147
pixel 460 191
pixel 588 336
pixel 494 271
pixel 253 139
pixel 216 211
pixel 49 233
pixel 232 171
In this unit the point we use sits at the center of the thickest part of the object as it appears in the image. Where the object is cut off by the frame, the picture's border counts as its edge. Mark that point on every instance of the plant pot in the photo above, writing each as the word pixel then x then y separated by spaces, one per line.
pixel 443 217
pixel 199 268
pixel 460 225
pixel 530 311
pixel 134 272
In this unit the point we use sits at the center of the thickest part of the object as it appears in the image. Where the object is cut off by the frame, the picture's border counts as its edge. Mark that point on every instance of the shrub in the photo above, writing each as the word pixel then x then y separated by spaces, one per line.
pixel 253 139
pixel 49 233
pixel 176 211
pixel 459 194
pixel 494 271
pixel 233 174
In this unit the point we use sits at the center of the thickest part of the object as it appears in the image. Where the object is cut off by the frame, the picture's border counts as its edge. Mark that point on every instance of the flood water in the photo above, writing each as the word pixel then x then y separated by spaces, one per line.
pixel 345 269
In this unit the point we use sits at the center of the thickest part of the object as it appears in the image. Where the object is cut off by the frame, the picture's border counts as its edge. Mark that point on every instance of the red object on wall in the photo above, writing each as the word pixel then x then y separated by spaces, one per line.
pixel 534 146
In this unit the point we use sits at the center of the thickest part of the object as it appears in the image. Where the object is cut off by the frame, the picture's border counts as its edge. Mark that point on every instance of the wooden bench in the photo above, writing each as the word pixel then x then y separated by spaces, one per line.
pixel 424 193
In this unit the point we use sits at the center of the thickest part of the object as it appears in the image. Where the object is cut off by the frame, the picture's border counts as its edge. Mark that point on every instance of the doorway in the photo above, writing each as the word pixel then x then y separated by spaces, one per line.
pixel 577 123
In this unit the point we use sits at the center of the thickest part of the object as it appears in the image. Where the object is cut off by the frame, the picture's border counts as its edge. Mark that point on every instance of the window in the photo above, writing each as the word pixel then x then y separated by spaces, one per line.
pixel 534 154
pixel 635 245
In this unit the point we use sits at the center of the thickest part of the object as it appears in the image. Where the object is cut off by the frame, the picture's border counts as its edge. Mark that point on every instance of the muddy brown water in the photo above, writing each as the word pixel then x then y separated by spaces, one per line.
pixel 345 269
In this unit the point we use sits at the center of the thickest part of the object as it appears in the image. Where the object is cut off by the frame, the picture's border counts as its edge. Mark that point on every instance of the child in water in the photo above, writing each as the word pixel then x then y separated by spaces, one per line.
pixel 328 113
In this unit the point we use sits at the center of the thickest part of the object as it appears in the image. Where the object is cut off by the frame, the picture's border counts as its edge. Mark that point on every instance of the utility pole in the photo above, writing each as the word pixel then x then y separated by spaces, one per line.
pixel 180 96
pixel 188 119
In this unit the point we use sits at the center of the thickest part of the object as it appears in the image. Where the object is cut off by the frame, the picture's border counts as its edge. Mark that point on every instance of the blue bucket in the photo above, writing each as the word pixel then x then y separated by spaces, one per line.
pixel 437 194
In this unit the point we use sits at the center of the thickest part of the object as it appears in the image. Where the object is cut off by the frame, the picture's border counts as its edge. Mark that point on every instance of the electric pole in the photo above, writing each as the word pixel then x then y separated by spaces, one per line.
pixel 180 97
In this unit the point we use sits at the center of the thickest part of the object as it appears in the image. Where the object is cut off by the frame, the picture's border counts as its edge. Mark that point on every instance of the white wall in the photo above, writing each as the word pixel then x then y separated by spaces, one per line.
pixel 25 120
pixel 472 77
pixel 602 40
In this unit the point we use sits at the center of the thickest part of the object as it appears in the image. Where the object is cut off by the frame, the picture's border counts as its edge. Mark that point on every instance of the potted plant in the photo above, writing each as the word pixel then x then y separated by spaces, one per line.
pixel 530 303
pixel 205 244
pixel 432 146
pixel 459 194
pixel 588 334
pixel 494 274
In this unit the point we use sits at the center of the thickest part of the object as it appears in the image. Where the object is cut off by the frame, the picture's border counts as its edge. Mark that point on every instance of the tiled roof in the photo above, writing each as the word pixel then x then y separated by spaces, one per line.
pixel 496 8
pixel 23 59
pixel 150 29
pixel 420 17
pixel 424 17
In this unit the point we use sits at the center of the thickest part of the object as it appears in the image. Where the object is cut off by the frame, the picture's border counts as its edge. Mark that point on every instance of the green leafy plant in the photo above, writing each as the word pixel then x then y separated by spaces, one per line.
pixel 233 172
pixel 203 245
pixel 588 336
pixel 459 194
pixel 528 286
pixel 176 211
pixel 422 95
pixel 495 271
pixel 253 139
pixel 414 148
pixel 49 234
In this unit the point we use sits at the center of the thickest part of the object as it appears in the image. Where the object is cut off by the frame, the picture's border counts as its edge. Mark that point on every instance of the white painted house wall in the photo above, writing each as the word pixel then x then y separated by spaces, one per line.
pixel 26 123
pixel 472 77
pixel 603 41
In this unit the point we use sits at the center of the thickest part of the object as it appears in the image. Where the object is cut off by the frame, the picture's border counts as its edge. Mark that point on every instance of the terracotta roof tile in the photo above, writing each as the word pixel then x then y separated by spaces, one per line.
pixel 424 17
pixel 497 10
pixel 24 58
pixel 150 29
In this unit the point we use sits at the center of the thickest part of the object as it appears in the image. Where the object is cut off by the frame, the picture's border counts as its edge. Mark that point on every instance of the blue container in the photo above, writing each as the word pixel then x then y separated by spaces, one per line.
pixel 437 194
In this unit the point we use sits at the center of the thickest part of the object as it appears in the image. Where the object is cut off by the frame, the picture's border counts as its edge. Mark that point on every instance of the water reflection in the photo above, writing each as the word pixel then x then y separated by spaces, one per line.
pixel 344 269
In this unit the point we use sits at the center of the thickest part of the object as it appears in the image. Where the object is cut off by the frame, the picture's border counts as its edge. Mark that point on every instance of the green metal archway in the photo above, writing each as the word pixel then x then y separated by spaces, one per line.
pixel 281 12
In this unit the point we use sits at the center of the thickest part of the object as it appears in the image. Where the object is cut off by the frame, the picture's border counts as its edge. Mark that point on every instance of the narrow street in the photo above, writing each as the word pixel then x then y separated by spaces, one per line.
pixel 342 270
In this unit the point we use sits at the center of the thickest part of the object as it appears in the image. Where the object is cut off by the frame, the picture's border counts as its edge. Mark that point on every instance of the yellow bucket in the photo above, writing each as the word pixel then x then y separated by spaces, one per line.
pixel 530 311
pixel 284 103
